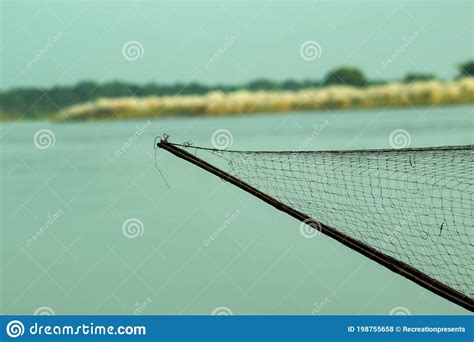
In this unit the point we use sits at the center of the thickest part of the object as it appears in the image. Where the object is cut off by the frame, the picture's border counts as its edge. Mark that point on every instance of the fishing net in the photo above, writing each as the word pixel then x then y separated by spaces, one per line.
pixel 414 205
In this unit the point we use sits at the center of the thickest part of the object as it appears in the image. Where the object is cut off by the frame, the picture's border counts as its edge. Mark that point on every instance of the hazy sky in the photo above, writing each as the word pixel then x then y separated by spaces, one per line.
pixel 248 39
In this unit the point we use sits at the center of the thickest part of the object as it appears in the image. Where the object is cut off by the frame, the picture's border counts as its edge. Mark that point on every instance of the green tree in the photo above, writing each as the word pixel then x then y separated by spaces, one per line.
pixel 346 75
pixel 116 89
pixel 291 85
pixel 414 77
pixel 466 69
pixel 261 84
pixel 85 90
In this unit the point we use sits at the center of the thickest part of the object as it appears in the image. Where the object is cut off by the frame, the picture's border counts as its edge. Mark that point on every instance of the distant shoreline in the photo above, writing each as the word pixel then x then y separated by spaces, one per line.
pixel 244 102
pixel 235 115
pixel 395 95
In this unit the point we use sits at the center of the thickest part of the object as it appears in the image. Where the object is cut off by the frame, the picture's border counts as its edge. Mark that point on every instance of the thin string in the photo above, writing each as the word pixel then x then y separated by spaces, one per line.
pixel 156 166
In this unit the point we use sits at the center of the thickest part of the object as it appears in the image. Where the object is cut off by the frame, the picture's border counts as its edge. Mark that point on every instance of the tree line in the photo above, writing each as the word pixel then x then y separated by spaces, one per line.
pixel 36 102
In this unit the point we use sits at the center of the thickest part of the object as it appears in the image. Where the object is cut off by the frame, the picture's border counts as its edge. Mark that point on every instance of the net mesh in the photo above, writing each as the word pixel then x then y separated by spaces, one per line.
pixel 415 205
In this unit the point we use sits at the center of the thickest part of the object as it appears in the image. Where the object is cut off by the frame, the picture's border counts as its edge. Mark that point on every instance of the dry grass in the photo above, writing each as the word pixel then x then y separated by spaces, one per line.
pixel 217 103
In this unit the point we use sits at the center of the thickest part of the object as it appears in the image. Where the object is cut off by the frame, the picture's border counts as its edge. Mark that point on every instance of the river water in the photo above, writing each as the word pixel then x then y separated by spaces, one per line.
pixel 88 226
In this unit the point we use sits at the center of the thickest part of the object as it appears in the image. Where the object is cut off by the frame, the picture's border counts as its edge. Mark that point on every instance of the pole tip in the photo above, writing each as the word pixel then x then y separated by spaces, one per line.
pixel 163 140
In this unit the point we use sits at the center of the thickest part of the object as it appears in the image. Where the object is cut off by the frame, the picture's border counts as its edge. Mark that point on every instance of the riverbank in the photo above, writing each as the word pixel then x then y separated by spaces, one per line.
pixel 429 93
